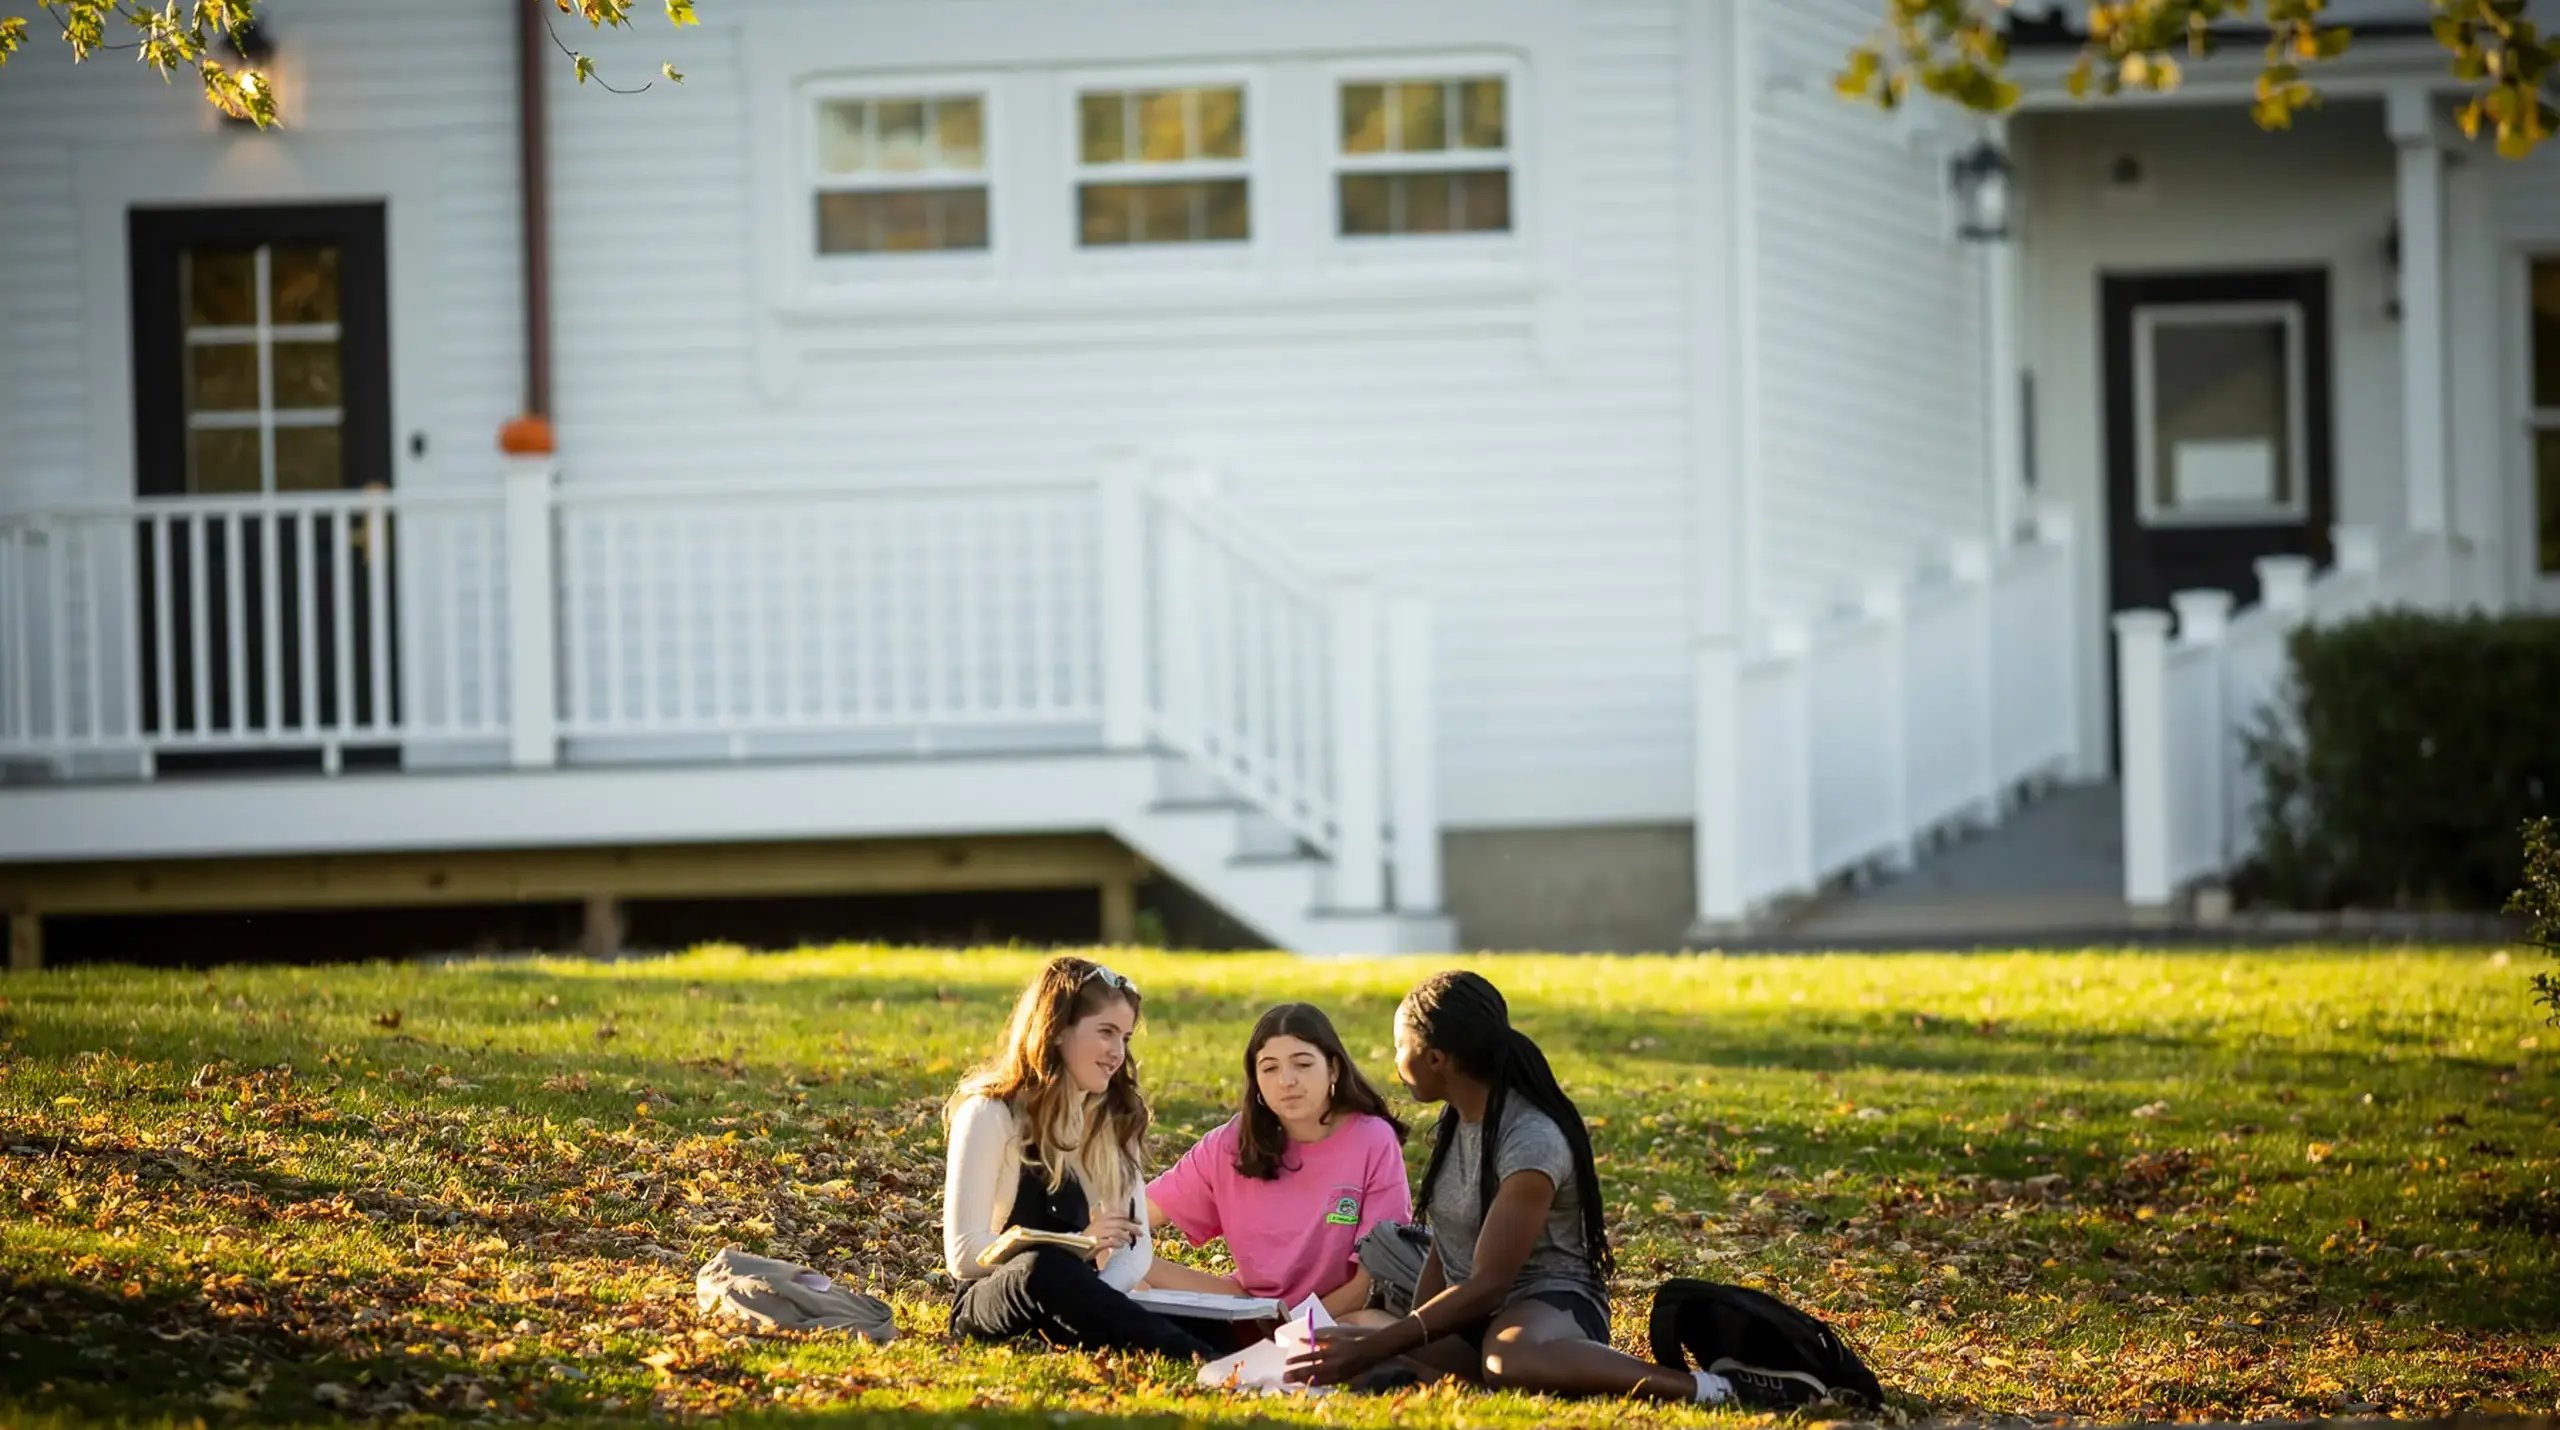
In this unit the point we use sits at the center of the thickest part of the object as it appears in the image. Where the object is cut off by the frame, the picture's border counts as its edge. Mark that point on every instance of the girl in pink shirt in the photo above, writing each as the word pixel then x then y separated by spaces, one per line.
pixel 1310 1162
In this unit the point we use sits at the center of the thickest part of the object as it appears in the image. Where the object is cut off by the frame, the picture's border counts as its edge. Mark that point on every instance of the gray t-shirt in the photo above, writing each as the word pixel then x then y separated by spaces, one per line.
pixel 1531 1142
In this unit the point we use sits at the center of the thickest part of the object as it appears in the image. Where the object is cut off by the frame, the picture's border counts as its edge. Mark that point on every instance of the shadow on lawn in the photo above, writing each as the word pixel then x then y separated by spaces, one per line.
pixel 175 1351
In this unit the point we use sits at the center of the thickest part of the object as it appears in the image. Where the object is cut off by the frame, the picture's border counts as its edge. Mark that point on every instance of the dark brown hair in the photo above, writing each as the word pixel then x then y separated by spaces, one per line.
pixel 1261 1141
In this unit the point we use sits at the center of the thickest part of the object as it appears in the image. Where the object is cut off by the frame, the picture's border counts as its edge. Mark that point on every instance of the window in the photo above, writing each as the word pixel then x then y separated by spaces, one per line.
pixel 263 390
pixel 2545 417
pixel 1157 166
pixel 2220 430
pixel 901 174
pixel 1424 156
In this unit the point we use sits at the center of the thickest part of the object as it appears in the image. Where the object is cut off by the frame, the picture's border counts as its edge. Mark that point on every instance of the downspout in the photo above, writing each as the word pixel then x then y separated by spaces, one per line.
pixel 530 433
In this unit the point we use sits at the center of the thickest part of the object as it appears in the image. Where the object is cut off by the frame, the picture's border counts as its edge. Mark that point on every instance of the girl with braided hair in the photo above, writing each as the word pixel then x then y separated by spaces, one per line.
pixel 1515 1290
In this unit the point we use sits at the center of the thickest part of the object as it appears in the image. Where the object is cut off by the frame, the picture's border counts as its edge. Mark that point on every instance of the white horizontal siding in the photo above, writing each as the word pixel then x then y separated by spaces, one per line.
pixel 1546 509
pixel 1870 365
pixel 43 409
pixel 438 80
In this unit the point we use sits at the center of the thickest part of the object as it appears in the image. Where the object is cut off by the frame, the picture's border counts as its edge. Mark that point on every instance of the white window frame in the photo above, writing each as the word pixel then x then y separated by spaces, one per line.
pixel 1354 249
pixel 828 268
pixel 2146 325
pixel 2545 585
pixel 1253 168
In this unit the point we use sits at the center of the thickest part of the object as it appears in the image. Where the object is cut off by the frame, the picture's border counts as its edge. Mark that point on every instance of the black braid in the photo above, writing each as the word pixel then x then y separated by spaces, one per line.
pixel 1463 1015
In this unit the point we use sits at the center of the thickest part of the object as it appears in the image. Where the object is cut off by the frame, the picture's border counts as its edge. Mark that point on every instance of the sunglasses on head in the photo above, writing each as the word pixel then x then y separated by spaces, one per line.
pixel 1116 980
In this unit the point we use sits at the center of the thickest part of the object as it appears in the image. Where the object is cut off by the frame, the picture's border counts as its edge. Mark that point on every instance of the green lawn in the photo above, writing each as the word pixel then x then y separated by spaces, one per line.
pixel 2106 1185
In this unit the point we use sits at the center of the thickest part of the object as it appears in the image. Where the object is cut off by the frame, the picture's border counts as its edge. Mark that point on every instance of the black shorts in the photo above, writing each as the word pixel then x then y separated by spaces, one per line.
pixel 1586 1313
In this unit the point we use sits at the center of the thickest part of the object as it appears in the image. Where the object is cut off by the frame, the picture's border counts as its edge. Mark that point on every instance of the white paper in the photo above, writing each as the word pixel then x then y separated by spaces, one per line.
pixel 1208 1304
pixel 2240 473
pixel 1264 1365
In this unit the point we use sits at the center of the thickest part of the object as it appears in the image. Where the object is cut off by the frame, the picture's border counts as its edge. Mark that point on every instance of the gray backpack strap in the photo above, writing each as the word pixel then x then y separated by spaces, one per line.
pixel 1393 1253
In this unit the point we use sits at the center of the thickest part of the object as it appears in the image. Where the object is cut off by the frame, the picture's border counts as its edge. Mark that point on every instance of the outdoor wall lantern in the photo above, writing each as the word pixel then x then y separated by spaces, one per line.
pixel 1981 176
pixel 253 47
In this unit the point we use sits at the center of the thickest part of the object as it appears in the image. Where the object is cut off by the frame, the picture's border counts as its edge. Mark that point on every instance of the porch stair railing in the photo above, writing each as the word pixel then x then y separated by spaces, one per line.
pixel 2192 682
pixel 1836 746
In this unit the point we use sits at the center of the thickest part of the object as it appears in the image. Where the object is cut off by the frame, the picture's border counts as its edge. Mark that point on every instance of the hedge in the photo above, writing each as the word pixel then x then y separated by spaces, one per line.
pixel 2404 757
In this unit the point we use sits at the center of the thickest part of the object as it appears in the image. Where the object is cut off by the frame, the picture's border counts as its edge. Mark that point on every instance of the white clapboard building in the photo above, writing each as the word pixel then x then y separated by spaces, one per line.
pixel 1419 473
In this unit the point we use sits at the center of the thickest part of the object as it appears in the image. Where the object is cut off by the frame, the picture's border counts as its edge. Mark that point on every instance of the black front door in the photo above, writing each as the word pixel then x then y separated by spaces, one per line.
pixel 2217 430
pixel 262 370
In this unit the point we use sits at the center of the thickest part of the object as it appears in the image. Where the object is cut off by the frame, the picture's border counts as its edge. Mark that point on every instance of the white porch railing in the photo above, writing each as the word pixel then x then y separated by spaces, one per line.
pixel 2185 699
pixel 1833 747
pixel 545 622
pixel 223 625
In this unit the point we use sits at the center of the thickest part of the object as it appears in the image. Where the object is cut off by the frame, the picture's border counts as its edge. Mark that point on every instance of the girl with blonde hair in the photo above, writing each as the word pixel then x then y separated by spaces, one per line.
pixel 1048 1134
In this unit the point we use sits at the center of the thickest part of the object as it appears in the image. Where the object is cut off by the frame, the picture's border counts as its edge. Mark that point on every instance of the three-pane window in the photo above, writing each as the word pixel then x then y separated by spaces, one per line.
pixel 1162 166
pixel 902 174
pixel 1424 156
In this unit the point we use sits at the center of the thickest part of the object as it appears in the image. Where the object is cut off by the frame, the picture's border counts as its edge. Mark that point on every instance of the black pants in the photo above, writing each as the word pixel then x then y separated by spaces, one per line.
pixel 1055 1295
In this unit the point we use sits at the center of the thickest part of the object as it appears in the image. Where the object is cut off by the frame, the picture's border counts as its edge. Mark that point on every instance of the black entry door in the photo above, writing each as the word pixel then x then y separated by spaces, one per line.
pixel 2218 430
pixel 261 371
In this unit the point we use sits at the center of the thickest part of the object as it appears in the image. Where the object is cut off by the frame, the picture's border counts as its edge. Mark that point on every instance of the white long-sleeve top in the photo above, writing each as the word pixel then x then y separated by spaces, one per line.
pixel 978 1180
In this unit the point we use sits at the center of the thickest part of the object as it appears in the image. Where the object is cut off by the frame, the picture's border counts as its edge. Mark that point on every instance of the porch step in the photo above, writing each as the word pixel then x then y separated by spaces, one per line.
pixel 1245 863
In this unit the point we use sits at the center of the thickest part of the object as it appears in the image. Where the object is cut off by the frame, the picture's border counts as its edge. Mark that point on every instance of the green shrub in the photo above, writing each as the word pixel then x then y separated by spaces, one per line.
pixel 2539 902
pixel 2406 751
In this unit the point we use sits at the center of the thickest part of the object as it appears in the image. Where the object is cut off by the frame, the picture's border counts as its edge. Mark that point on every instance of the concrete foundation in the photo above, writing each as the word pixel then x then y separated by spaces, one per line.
pixel 1615 889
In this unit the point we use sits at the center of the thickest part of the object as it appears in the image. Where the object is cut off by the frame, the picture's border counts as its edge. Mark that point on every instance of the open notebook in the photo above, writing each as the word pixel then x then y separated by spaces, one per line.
pixel 1019 1239
pixel 1210 1306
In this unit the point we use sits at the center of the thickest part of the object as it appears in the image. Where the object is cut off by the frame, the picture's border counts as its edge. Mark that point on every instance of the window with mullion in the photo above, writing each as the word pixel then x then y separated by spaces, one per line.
pixel 1423 155
pixel 263 387
pixel 1162 165
pixel 900 173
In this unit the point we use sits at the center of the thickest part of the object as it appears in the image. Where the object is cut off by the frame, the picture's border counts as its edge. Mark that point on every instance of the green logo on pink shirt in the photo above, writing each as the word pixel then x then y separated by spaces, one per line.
pixel 1346 1211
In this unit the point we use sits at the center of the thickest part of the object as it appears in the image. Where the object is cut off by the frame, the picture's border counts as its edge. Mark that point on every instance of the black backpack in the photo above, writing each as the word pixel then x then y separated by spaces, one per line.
pixel 1777 1357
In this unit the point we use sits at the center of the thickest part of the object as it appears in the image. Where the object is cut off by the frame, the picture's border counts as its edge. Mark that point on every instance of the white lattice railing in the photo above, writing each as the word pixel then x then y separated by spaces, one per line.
pixel 2189 688
pixel 547 622
pixel 1840 744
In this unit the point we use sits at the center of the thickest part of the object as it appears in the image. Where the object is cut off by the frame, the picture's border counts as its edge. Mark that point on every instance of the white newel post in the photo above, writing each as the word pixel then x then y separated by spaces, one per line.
pixel 2054 529
pixel 2284 583
pixel 2204 614
pixel 1121 548
pixel 1359 855
pixel 1886 602
pixel 1717 833
pixel 1412 767
pixel 1790 641
pixel 2142 730
pixel 533 634
pixel 1970 564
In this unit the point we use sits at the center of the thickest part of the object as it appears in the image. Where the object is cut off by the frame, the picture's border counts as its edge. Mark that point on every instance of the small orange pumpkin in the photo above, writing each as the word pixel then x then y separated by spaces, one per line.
pixel 527 436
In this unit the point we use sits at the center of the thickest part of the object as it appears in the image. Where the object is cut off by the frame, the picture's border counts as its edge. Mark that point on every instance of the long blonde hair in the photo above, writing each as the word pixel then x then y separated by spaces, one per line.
pixel 1098 1137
